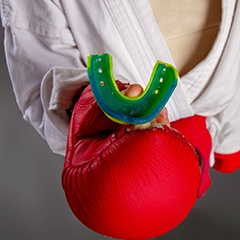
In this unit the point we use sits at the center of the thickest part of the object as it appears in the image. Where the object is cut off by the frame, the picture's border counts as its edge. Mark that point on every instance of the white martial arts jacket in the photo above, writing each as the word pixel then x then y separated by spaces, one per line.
pixel 47 43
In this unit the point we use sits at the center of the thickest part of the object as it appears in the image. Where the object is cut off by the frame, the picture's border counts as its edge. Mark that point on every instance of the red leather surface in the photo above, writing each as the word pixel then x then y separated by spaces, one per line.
pixel 195 131
pixel 227 163
pixel 135 185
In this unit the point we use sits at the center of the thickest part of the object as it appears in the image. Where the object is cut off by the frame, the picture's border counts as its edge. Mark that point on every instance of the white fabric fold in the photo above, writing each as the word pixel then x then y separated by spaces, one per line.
pixel 47 44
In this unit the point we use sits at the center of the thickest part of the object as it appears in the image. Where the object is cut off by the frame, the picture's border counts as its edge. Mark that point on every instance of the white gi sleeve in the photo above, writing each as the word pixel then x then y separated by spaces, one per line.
pixel 225 127
pixel 45 65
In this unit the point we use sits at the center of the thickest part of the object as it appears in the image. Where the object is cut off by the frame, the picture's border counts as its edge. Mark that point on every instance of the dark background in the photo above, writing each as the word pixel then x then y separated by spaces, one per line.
pixel 32 202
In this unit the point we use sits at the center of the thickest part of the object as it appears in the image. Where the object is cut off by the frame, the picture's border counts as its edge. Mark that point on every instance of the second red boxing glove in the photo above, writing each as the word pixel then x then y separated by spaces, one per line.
pixel 195 131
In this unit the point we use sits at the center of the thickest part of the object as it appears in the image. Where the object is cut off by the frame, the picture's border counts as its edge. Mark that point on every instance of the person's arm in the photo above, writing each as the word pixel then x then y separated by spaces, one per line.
pixel 225 129
pixel 45 66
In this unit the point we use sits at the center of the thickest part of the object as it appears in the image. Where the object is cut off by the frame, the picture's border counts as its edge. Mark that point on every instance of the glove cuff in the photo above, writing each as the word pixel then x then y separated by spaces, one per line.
pixel 227 163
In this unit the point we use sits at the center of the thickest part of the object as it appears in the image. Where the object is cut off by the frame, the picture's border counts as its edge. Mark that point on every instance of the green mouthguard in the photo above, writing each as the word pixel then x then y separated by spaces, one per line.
pixel 123 109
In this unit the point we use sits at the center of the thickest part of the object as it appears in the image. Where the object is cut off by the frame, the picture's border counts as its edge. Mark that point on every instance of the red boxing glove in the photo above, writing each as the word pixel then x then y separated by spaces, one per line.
pixel 127 185
pixel 195 131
